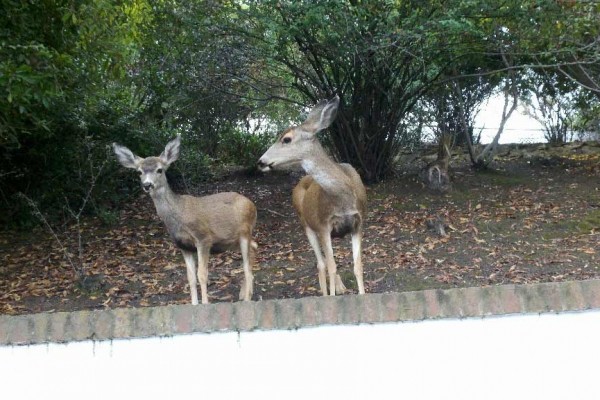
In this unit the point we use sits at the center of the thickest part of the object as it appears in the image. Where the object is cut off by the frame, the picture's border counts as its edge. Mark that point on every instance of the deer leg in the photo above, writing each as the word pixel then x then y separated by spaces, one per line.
pixel 248 284
pixel 190 264
pixel 203 252
pixel 357 256
pixel 340 288
pixel 329 260
pixel 314 242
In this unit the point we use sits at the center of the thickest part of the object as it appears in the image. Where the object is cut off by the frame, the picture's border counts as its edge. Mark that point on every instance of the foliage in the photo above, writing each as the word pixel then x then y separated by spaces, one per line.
pixel 380 57
pixel 63 95
pixel 552 103
pixel 227 75
pixel 586 121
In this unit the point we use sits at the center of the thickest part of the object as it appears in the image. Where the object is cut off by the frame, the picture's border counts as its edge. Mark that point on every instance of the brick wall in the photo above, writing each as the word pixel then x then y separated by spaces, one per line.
pixel 296 313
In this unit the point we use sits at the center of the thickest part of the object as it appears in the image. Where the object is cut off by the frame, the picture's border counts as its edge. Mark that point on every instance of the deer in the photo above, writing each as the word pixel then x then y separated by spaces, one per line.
pixel 330 201
pixel 435 173
pixel 198 226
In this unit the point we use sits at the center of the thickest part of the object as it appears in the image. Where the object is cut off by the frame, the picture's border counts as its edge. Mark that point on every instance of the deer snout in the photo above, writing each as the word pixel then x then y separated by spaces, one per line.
pixel 263 165
pixel 147 186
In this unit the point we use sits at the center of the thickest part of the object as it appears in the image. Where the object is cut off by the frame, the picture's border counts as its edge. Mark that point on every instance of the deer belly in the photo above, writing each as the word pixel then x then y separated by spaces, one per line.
pixel 343 225
pixel 183 244
pixel 217 248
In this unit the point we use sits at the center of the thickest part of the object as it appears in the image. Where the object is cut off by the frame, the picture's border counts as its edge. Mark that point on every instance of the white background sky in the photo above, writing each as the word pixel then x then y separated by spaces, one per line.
pixel 519 128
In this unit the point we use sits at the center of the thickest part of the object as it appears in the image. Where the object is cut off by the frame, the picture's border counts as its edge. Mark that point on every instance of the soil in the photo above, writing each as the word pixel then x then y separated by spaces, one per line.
pixel 533 217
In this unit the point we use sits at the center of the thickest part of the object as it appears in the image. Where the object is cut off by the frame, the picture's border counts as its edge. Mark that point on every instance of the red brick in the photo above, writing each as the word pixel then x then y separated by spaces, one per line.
pixel 444 300
pixel 432 306
pixel 591 293
pixel 452 303
pixel 348 309
pixel 123 323
pixel 370 308
pixel 6 323
pixel 266 316
pixel 487 305
pixel 413 308
pixel 531 300
pixel 390 307
pixel 79 326
pixel 102 325
pixel 508 299
pixel 40 332
pixel 150 321
pixel 21 329
pixel 328 309
pixel 471 302
pixel 549 293
pixel 222 316
pixel 310 315
pixel 398 304
pixel 204 318
pixel 183 319
pixel 244 315
pixel 572 296
pixel 57 325
pixel 287 314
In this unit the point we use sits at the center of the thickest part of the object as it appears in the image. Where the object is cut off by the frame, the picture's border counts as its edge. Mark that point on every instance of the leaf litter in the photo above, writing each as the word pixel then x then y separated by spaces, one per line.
pixel 521 231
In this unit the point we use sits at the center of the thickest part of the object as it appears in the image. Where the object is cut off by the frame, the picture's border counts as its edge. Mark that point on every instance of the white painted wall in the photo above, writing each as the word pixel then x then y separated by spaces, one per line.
pixel 514 357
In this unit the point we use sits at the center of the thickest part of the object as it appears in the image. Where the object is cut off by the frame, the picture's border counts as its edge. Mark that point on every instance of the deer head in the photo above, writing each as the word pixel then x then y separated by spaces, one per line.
pixel 295 143
pixel 152 169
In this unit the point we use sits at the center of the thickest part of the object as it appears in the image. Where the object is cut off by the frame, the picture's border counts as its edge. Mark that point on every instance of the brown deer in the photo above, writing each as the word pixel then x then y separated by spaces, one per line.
pixel 198 225
pixel 331 200
pixel 435 174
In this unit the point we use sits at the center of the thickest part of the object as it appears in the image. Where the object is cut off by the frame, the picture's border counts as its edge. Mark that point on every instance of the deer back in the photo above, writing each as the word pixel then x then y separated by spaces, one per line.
pixel 218 220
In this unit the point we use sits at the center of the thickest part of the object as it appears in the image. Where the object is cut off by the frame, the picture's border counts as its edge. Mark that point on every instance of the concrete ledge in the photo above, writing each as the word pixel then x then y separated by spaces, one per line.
pixel 296 313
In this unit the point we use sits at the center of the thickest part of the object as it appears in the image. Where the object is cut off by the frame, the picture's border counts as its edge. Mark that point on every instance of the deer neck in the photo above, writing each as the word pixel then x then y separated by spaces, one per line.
pixel 166 203
pixel 329 175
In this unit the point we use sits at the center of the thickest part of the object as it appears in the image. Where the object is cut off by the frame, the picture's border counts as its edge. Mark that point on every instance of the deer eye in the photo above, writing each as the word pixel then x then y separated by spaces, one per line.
pixel 286 140
pixel 159 171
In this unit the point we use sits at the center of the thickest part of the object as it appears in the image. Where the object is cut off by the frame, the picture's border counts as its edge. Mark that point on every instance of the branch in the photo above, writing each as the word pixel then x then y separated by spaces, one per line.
pixel 487 153
pixel 596 87
pixel 36 211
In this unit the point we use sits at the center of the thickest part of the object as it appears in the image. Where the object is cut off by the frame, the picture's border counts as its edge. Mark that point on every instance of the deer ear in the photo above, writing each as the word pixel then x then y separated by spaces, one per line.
pixel 322 115
pixel 171 152
pixel 125 156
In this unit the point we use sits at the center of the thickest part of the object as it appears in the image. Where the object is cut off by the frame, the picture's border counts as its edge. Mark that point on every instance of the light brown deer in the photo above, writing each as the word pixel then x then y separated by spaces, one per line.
pixel 331 200
pixel 198 225
pixel 435 174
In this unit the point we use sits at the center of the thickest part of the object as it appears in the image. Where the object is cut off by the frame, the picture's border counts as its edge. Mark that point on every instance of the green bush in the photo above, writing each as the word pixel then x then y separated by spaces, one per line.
pixel 243 148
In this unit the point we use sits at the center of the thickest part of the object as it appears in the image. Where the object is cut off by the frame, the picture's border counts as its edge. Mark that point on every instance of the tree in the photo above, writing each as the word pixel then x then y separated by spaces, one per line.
pixel 586 121
pixel 197 78
pixel 553 102
pixel 62 71
pixel 380 57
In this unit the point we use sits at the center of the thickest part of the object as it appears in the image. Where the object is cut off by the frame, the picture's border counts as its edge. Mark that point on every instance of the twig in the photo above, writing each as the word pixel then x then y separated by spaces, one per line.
pixel 41 217
pixel 276 213
pixel 79 268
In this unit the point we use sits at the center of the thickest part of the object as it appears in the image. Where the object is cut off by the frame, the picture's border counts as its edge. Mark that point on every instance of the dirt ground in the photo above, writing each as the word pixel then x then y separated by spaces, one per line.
pixel 534 217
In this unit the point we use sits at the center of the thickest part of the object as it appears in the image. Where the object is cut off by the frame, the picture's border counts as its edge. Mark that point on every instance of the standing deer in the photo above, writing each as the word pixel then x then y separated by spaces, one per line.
pixel 331 200
pixel 198 225
pixel 435 174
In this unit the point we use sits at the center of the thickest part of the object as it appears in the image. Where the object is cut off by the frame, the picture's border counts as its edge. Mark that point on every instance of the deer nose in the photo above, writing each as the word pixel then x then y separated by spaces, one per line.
pixel 147 186
pixel 264 166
